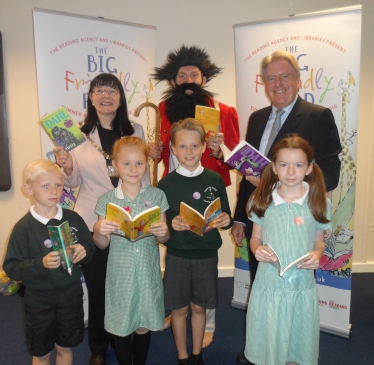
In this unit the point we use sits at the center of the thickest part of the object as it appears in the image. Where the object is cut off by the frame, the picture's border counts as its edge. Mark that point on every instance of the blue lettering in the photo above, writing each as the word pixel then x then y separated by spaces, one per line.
pixel 306 97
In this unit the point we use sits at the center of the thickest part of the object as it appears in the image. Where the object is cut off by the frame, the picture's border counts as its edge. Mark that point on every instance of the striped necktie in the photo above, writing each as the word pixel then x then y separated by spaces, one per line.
pixel 274 130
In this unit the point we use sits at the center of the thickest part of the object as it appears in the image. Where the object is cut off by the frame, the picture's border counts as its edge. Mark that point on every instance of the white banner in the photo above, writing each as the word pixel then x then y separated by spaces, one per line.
pixel 71 50
pixel 327 47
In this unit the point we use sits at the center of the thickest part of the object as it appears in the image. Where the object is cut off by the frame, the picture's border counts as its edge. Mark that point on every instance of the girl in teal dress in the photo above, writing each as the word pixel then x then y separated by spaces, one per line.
pixel 134 300
pixel 291 216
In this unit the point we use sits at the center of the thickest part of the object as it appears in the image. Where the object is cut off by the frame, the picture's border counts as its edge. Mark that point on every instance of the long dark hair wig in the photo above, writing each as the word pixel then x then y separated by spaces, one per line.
pixel 262 196
pixel 121 124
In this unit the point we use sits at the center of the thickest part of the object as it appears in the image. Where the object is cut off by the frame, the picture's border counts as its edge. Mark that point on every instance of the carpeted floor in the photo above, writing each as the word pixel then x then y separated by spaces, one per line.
pixel 229 337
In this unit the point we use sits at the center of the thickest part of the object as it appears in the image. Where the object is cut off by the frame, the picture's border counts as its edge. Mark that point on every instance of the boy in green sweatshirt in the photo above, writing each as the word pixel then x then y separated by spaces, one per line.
pixel 191 273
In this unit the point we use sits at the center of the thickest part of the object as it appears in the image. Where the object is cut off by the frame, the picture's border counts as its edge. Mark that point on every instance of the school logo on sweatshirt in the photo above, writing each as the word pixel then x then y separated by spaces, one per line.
pixel 210 194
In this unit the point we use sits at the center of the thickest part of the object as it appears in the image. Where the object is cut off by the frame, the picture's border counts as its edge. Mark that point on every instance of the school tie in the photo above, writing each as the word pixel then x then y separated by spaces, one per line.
pixel 274 130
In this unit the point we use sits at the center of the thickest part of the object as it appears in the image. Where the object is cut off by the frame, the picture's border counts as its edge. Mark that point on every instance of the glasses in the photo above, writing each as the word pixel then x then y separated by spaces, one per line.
pixel 110 92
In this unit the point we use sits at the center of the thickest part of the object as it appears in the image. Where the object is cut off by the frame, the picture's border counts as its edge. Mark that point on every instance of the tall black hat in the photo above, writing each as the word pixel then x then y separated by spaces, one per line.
pixel 186 56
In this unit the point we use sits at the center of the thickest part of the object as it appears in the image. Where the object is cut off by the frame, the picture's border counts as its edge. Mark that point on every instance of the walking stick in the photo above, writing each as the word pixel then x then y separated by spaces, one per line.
pixel 157 134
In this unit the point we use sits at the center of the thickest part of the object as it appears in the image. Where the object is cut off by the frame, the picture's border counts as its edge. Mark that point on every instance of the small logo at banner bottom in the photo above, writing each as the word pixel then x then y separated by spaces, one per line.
pixel 334 305
pixel 321 302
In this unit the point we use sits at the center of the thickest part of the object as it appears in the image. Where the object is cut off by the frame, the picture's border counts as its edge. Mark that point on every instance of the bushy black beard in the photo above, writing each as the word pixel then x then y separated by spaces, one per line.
pixel 179 105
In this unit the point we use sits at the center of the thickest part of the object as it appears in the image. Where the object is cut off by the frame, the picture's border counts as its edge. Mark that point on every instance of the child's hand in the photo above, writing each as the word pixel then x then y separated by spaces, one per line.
pixel 159 229
pixel 105 227
pixel 52 260
pixel 262 255
pixel 178 225
pixel 222 220
pixel 312 263
pixel 79 252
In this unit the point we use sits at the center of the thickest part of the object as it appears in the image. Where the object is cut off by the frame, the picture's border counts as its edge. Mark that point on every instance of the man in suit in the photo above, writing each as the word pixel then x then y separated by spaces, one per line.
pixel 281 76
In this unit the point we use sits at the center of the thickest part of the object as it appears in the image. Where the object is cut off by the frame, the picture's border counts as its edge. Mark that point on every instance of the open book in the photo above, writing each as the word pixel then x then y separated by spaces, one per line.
pixel 133 228
pixel 62 130
pixel 200 224
pixel 245 159
pixel 210 117
pixel 61 240
pixel 278 263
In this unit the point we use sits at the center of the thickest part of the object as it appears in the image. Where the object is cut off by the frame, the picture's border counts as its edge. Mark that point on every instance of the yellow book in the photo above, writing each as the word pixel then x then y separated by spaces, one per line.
pixel 133 228
pixel 210 117
pixel 200 224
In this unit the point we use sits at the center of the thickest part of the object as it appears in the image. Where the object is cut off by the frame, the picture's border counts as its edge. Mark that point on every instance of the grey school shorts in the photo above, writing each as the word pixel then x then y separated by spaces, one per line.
pixel 190 280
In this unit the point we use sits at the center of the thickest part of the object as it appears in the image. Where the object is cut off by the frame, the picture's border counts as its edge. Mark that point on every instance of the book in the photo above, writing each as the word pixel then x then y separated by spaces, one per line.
pixel 278 263
pixel 200 224
pixel 62 239
pixel 210 117
pixel 245 158
pixel 62 130
pixel 133 228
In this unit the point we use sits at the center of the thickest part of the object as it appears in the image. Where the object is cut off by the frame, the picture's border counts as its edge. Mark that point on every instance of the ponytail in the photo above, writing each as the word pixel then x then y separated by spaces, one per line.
pixel 317 194
pixel 262 197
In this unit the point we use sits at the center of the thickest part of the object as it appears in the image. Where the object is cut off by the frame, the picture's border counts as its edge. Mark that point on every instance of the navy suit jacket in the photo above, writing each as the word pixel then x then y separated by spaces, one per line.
pixel 312 122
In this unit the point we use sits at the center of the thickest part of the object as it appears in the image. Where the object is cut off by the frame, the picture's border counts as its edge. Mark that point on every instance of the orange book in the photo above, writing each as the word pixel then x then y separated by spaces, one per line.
pixel 200 224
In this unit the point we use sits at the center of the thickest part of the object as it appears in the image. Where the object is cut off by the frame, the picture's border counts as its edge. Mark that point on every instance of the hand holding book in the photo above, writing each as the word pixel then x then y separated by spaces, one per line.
pixel 78 252
pixel 133 228
pixel 245 158
pixel 300 262
pixel 52 260
pixel 196 222
pixel 214 142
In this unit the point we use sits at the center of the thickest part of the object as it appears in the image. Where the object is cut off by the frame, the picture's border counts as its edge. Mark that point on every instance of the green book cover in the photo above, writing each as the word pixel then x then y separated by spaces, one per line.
pixel 62 130
pixel 61 240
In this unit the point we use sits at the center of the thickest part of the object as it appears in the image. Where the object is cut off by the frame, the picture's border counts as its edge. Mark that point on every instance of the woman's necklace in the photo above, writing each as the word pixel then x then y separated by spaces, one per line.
pixel 111 171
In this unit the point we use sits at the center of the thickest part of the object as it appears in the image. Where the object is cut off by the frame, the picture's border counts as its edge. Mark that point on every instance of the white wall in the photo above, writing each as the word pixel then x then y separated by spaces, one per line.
pixel 208 24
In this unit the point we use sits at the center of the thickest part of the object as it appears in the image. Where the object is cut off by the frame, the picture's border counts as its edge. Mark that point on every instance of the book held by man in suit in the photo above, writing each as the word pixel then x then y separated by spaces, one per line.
pixel 245 158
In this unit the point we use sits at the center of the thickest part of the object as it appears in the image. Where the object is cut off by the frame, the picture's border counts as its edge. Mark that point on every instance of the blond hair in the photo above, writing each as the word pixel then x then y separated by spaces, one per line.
pixel 132 142
pixel 39 167
pixel 276 56
pixel 188 124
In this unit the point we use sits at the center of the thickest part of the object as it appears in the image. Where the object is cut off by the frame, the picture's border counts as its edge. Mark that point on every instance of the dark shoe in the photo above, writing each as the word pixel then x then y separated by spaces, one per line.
pixel 184 362
pixel 196 359
pixel 97 360
pixel 241 359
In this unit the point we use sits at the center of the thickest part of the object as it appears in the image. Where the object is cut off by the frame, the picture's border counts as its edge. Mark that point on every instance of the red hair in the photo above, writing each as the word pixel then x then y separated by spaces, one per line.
pixel 262 196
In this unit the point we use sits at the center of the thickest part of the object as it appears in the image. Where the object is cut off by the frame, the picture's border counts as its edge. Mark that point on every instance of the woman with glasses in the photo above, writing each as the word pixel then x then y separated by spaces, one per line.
pixel 90 167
